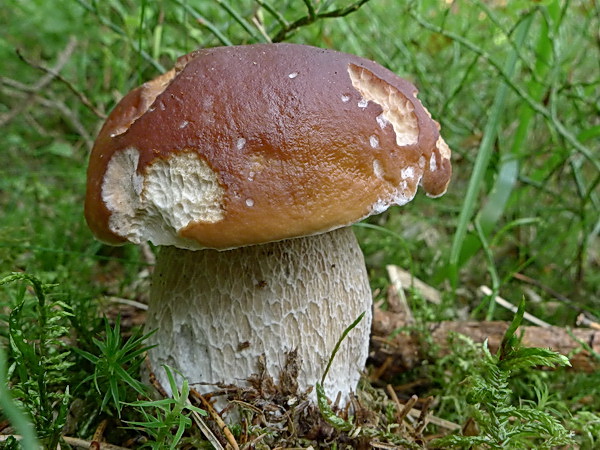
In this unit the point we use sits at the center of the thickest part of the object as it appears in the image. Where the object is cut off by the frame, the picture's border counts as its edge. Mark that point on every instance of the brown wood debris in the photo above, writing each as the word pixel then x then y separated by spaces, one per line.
pixel 399 351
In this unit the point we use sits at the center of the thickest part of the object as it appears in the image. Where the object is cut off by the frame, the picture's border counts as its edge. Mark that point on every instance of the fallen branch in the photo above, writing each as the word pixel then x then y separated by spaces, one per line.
pixel 404 350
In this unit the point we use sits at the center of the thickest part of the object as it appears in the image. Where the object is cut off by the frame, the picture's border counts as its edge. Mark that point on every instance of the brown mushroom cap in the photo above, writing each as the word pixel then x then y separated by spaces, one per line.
pixel 245 145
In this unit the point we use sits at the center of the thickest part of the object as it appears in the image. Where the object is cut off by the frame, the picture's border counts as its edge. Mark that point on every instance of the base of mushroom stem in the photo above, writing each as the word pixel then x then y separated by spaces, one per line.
pixel 218 314
pixel 277 407
pixel 260 385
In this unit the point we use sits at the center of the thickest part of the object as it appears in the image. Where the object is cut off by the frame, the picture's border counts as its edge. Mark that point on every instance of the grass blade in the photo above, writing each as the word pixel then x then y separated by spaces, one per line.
pixel 483 157
pixel 509 164
pixel 339 342
pixel 205 23
pixel 251 30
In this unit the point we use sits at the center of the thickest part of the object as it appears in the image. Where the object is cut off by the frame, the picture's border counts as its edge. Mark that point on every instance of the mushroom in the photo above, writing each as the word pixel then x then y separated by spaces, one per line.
pixel 248 165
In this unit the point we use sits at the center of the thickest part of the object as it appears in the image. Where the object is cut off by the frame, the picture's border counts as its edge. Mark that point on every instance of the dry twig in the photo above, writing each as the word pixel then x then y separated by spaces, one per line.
pixel 407 279
pixel 506 304
pixel 54 104
pixel 75 442
pixel 62 59
pixel 52 73
pixel 420 414
pixel 313 16
pixel 396 297
pixel 216 417
pixel 206 431
pixel 583 320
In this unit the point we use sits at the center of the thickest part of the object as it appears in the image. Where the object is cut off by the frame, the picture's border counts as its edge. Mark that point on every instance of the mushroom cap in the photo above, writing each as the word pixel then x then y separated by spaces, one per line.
pixel 245 145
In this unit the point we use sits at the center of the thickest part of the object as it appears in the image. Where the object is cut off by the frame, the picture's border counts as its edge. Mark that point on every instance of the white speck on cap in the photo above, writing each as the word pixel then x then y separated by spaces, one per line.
pixel 432 163
pixel 374 141
pixel 377 168
pixel 382 121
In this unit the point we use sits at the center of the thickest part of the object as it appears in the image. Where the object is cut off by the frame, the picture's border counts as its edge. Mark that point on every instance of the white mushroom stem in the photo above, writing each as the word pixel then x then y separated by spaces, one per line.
pixel 217 312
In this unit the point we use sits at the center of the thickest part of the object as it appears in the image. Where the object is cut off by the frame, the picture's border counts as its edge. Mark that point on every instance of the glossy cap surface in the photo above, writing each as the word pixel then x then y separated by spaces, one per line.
pixel 245 145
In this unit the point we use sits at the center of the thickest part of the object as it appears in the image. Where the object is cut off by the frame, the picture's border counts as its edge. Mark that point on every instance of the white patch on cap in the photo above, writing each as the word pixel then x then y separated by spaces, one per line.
pixel 407 172
pixel 432 163
pixel 381 121
pixel 293 75
pixel 422 162
pixel 241 142
pixel 378 207
pixel 374 141
pixel 399 198
pixel 345 98
pixel 443 148
pixel 397 109
pixel 156 205
pixel 249 202
pixel 401 195
pixel 184 124
pixel 363 103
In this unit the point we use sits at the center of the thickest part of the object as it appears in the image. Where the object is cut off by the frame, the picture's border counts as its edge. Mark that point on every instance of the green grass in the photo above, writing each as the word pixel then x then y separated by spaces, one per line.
pixel 516 89
pixel 501 423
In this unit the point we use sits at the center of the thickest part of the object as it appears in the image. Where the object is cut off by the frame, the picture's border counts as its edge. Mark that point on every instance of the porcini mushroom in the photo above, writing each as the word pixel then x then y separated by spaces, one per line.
pixel 249 164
